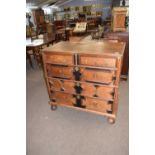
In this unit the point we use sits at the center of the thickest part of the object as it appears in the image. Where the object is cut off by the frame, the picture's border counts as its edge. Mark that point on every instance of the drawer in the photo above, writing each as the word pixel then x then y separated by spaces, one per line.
pixel 62 85
pixel 97 61
pixel 62 98
pixel 60 71
pixel 97 105
pixel 91 90
pixel 100 76
pixel 64 59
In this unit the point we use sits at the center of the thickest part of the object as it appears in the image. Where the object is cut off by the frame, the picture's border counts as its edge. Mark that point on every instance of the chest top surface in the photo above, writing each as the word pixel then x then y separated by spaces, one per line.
pixel 105 48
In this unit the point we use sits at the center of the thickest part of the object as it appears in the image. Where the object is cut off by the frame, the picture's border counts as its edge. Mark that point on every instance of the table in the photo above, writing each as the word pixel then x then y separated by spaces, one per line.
pixel 35 45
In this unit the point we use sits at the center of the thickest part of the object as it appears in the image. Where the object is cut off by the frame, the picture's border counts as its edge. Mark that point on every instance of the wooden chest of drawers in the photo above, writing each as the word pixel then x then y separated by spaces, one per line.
pixel 84 76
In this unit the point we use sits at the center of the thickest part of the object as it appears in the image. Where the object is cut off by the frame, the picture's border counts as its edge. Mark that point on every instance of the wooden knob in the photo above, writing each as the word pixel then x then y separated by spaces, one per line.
pixel 78 96
pixel 76 68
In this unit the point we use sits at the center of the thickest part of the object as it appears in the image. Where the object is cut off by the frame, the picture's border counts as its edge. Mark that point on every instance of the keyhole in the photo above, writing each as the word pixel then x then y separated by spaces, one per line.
pixel 95 93
pixel 62 85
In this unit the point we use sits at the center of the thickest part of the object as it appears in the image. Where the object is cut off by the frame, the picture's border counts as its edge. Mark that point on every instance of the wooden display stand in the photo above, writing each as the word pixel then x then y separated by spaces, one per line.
pixel 118 19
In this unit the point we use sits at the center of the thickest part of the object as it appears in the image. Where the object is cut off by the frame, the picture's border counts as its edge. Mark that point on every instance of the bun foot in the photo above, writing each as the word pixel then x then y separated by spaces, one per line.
pixel 53 107
pixel 111 120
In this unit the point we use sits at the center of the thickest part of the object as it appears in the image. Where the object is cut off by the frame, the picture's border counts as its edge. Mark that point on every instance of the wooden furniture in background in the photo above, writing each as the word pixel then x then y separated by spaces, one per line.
pixel 38 16
pixel 84 76
pixel 59 24
pixel 39 20
pixel 124 37
pixel 35 46
pixel 118 19
pixel 80 28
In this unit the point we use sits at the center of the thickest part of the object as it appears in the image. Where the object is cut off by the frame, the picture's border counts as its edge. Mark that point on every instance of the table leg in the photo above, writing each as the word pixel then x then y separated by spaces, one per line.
pixel 37 55
pixel 28 56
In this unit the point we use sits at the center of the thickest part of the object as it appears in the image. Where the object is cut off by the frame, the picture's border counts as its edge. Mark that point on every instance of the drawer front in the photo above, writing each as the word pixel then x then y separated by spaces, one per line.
pixel 62 98
pixel 59 59
pixel 60 71
pixel 97 61
pixel 97 105
pixel 62 85
pixel 100 76
pixel 97 91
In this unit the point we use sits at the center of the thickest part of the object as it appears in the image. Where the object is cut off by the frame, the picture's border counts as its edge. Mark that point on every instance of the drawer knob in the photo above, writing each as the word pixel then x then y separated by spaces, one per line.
pixel 62 89
pixel 78 84
pixel 78 96
pixel 77 69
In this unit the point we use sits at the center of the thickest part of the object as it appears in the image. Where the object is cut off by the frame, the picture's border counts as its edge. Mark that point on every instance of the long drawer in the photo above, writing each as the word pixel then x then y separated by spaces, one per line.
pixel 62 85
pixel 93 90
pixel 97 61
pixel 64 59
pixel 62 98
pixel 60 71
pixel 100 76
pixel 97 105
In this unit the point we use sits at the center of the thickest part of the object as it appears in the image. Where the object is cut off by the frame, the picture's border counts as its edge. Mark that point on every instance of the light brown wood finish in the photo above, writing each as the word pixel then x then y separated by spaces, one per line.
pixel 97 61
pixel 60 71
pixel 118 19
pixel 70 83
pixel 122 36
pixel 97 76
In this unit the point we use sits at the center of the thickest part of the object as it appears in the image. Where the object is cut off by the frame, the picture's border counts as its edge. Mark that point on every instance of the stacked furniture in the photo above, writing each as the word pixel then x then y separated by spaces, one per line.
pixel 84 76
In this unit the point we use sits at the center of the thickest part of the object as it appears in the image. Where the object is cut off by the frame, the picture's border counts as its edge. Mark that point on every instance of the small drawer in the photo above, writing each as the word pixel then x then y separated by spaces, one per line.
pixel 97 61
pixel 62 98
pixel 64 59
pixel 60 71
pixel 62 85
pixel 97 105
pixel 93 90
pixel 100 76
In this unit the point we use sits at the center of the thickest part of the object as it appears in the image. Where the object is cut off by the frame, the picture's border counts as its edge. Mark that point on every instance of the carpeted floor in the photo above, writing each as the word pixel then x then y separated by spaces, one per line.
pixel 70 132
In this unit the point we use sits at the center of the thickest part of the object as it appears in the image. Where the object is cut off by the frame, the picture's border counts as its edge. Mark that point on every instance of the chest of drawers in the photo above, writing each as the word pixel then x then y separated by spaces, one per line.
pixel 84 76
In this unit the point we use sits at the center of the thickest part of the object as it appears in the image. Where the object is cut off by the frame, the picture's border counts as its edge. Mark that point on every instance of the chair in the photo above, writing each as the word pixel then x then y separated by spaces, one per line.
pixel 99 33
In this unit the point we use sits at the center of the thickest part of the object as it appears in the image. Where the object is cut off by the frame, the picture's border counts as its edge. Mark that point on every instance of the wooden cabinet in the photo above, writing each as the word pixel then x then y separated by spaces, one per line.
pixel 38 16
pixel 118 19
pixel 124 37
pixel 84 77
pixel 39 20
